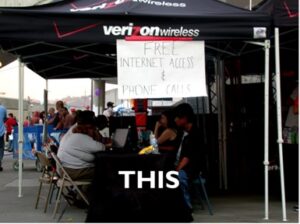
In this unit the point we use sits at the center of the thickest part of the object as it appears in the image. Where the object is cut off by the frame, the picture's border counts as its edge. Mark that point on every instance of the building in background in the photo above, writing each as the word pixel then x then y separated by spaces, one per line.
pixel 30 105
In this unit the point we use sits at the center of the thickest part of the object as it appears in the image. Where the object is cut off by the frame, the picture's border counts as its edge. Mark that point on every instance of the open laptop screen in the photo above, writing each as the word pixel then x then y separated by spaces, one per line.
pixel 119 138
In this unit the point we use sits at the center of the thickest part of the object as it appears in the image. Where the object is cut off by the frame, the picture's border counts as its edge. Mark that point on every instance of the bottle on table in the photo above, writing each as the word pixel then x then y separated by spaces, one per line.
pixel 153 142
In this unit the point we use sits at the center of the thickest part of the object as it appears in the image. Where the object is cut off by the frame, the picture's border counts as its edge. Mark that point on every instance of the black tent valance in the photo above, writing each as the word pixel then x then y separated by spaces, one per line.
pixel 88 21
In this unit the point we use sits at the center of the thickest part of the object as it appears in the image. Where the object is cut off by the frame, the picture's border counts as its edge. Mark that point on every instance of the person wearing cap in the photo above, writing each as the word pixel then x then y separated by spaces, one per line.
pixel 77 149
pixel 109 110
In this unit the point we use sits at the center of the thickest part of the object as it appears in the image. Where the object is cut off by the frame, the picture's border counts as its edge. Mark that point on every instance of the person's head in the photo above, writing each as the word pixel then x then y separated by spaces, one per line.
pixel 110 104
pixel 85 123
pixel 11 115
pixel 51 111
pixel 167 119
pixel 86 117
pixel 101 122
pixel 73 111
pixel 36 114
pixel 78 111
pixel 75 114
pixel 42 115
pixel 63 111
pixel 184 115
pixel 59 105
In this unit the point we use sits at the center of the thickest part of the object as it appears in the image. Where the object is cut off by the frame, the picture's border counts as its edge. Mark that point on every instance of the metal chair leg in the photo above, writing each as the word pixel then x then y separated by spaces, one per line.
pixel 205 195
pixel 38 195
pixel 62 213
pixel 57 203
pixel 198 194
pixel 48 196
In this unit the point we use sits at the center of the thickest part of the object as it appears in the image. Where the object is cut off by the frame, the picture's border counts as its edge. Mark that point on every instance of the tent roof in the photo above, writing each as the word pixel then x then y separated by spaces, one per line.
pixel 285 13
pixel 86 21
pixel 77 38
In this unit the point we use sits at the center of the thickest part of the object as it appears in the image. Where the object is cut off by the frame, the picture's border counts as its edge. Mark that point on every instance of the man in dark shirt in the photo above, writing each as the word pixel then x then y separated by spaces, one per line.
pixel 56 119
pixel 189 157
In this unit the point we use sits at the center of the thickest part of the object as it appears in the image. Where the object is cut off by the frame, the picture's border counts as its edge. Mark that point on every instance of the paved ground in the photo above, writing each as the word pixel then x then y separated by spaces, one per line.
pixel 226 209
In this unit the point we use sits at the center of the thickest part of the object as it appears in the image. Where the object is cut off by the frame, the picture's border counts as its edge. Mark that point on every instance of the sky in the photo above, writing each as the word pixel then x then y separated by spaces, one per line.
pixel 35 85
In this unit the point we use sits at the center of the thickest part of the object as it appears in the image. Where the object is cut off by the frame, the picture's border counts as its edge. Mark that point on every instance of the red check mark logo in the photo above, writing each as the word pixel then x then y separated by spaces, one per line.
pixel 107 4
pixel 289 12
pixel 61 35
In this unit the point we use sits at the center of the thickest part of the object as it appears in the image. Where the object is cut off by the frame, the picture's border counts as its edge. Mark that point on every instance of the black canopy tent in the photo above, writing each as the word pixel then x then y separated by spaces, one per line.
pixel 87 21
pixel 77 38
pixel 285 15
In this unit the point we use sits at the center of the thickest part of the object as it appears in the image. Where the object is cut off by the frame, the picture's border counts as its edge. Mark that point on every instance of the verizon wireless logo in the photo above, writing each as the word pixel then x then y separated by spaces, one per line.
pixel 162 3
pixel 132 30
pixel 115 3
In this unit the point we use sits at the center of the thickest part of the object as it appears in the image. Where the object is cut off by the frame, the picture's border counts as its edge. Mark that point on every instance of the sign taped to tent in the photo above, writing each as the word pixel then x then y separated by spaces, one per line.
pixel 156 69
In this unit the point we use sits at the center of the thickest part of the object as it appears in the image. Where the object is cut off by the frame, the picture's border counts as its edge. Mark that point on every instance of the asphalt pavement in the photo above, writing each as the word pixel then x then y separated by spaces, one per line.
pixel 234 209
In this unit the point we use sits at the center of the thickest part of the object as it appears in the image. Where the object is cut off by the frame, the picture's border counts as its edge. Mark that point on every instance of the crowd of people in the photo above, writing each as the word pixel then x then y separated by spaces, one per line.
pixel 60 118
pixel 175 131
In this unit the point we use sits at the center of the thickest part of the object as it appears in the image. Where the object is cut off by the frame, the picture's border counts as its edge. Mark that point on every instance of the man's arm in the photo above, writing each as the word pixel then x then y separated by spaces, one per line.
pixel 51 120
pixel 183 162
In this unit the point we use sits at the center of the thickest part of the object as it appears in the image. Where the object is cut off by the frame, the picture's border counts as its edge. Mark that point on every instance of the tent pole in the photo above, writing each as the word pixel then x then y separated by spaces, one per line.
pixel 92 96
pixel 266 128
pixel 45 125
pixel 20 125
pixel 279 122
pixel 223 111
pixel 219 123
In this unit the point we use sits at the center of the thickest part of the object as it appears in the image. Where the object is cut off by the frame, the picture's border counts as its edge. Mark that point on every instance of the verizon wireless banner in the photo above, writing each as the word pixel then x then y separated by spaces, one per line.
pixel 156 69
pixel 105 21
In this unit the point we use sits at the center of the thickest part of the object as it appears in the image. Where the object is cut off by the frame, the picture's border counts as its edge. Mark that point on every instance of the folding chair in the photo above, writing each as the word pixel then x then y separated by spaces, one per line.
pixel 47 177
pixel 199 184
pixel 65 182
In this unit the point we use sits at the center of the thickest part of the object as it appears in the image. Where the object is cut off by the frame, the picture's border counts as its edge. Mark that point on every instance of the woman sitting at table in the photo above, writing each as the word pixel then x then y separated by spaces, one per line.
pixel 77 149
pixel 167 135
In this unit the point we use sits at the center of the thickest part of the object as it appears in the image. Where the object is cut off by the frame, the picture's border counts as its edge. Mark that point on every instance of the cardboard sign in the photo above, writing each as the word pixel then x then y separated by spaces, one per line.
pixel 156 69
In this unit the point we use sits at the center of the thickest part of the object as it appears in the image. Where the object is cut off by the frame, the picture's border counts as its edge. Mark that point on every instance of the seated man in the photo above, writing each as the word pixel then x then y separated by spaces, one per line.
pixel 189 158
pixel 77 149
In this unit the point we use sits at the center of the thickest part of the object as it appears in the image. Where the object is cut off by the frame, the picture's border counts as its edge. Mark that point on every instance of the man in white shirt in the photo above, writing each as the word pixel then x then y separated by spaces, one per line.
pixel 109 111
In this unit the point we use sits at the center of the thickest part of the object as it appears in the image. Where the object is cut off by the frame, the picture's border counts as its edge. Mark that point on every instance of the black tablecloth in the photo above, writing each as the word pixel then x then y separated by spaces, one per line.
pixel 111 202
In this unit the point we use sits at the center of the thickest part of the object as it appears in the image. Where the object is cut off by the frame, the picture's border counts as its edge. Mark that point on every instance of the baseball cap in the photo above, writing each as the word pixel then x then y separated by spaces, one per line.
pixel 110 104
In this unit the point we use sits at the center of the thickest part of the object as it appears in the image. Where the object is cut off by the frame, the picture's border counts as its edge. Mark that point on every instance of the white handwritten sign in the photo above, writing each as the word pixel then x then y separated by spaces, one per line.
pixel 156 69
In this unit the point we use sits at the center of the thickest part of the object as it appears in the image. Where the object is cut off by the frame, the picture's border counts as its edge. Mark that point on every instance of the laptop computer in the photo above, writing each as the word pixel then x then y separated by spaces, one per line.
pixel 119 138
